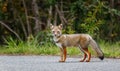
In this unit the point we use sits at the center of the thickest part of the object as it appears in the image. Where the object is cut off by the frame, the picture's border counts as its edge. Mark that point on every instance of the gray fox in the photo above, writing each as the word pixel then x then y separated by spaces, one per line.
pixel 79 40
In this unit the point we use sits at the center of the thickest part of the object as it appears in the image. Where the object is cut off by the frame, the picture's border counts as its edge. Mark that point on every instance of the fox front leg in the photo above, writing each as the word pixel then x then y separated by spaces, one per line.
pixel 63 54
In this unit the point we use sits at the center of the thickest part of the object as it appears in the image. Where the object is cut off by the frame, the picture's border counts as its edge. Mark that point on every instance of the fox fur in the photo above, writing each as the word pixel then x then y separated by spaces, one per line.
pixel 78 40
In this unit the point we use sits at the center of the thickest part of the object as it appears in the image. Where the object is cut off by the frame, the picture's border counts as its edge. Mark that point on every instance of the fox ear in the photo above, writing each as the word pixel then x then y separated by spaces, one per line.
pixel 51 26
pixel 60 26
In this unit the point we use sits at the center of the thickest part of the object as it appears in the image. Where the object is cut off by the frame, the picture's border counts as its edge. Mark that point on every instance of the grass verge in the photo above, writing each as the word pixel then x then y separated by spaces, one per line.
pixel 14 47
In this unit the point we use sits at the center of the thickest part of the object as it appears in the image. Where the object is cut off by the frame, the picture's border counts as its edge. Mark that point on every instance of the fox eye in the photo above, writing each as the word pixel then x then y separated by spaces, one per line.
pixel 58 32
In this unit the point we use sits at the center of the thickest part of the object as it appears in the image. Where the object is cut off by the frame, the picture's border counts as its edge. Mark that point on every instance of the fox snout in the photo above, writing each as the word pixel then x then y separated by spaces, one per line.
pixel 55 34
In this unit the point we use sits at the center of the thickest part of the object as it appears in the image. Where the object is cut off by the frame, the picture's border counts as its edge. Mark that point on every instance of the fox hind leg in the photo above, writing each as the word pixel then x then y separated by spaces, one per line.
pixel 88 54
pixel 83 57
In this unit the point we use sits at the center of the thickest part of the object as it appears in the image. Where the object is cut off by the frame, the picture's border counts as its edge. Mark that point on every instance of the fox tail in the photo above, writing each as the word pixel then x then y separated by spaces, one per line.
pixel 96 47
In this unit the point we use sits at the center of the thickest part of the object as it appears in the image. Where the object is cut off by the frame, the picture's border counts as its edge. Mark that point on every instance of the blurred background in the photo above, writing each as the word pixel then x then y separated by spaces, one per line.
pixel 25 20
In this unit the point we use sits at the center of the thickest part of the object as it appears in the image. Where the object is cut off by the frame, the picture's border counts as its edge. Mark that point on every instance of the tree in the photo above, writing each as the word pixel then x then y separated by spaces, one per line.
pixel 99 18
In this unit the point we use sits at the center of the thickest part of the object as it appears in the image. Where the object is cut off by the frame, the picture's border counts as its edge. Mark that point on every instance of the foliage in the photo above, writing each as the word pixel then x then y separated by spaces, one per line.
pixel 99 18
pixel 93 21
pixel 68 29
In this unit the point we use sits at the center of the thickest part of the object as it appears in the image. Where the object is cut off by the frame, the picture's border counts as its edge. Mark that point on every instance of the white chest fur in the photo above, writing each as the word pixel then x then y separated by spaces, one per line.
pixel 57 39
pixel 59 45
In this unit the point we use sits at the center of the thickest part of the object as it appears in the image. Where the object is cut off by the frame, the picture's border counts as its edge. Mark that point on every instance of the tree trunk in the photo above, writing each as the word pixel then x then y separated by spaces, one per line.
pixel 23 26
pixel 27 20
pixel 111 26
pixel 38 23
pixel 50 16
pixel 62 18
pixel 55 17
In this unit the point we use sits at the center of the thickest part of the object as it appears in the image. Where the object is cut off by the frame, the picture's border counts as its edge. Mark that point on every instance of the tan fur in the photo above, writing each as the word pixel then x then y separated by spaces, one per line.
pixel 79 40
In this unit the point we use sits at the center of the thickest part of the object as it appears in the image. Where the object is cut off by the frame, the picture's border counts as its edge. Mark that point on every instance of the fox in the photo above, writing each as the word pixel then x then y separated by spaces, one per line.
pixel 82 41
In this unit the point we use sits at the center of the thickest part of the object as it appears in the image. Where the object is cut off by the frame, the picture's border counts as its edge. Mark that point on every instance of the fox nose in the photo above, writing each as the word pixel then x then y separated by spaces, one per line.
pixel 55 34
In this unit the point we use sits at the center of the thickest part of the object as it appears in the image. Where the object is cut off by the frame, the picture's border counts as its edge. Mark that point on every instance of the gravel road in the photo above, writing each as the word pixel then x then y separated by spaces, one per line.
pixel 50 63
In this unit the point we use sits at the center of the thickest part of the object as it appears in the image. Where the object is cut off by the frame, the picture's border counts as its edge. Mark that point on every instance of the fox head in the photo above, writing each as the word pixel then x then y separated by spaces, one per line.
pixel 56 30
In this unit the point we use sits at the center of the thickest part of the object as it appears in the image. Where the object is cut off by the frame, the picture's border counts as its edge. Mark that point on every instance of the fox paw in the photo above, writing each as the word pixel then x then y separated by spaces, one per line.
pixel 61 61
pixel 87 60
pixel 81 60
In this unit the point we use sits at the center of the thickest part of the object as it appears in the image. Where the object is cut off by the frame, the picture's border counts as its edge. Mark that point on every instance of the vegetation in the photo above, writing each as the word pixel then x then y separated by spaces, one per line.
pixel 22 18
pixel 24 24
pixel 32 47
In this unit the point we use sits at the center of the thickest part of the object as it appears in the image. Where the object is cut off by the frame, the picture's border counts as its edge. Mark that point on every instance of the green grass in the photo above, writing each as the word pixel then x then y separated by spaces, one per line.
pixel 14 47
pixel 31 47
pixel 111 50
pixel 29 51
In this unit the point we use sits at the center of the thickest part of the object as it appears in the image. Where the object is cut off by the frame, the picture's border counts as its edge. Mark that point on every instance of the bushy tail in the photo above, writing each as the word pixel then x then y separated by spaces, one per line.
pixel 96 48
